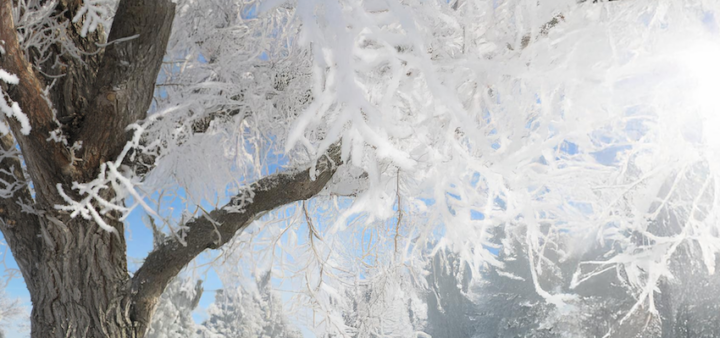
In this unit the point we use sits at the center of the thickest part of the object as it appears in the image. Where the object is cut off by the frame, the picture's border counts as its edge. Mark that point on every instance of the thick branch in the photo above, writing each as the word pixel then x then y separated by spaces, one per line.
pixel 68 64
pixel 126 80
pixel 19 228
pixel 219 226
pixel 46 160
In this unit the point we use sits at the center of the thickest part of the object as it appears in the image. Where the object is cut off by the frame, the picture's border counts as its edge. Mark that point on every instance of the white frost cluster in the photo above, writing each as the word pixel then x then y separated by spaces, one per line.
pixel 553 121
pixel 96 12
pixel 8 78
pixel 115 175
pixel 43 29
pixel 541 131
pixel 12 109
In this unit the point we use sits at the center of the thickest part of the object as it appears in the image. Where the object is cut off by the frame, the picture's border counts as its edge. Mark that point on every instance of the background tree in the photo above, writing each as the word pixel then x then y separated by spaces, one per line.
pixel 387 305
pixel 173 315
pixel 239 312
pixel 9 310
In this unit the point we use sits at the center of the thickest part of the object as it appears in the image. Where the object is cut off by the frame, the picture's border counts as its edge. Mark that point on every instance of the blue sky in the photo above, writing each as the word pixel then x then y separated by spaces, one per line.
pixel 139 237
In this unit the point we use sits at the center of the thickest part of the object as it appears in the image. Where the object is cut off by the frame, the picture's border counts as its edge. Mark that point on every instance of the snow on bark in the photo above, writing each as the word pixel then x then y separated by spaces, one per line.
pixel 505 132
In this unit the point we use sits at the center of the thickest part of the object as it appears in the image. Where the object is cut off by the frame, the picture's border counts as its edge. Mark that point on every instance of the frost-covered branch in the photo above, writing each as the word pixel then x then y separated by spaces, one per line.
pixel 34 119
pixel 267 194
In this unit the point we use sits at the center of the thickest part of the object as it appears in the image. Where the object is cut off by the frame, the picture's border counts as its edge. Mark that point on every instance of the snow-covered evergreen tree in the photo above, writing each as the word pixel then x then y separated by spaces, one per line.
pixel 248 313
pixel 386 305
pixel 173 316
pixel 511 299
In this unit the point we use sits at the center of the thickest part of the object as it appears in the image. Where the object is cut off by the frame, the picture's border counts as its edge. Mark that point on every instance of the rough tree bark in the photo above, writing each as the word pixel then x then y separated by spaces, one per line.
pixel 77 273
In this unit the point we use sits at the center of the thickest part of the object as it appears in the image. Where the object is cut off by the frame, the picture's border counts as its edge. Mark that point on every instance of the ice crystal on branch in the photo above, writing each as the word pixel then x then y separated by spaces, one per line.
pixel 96 12
pixel 575 138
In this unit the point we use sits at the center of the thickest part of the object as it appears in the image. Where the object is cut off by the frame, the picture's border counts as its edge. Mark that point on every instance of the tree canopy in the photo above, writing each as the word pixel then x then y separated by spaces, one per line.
pixel 399 167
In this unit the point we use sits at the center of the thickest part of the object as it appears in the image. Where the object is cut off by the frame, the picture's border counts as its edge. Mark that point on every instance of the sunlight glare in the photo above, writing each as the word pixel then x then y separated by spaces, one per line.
pixel 701 65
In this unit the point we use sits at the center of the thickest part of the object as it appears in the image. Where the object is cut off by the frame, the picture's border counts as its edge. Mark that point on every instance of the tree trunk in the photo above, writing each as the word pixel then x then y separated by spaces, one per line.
pixel 79 288
pixel 76 272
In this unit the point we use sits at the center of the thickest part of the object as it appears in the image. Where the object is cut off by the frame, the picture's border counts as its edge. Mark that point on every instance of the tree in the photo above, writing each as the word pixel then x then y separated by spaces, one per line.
pixel 248 313
pixel 69 99
pixel 9 309
pixel 381 132
pixel 173 314
pixel 510 305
